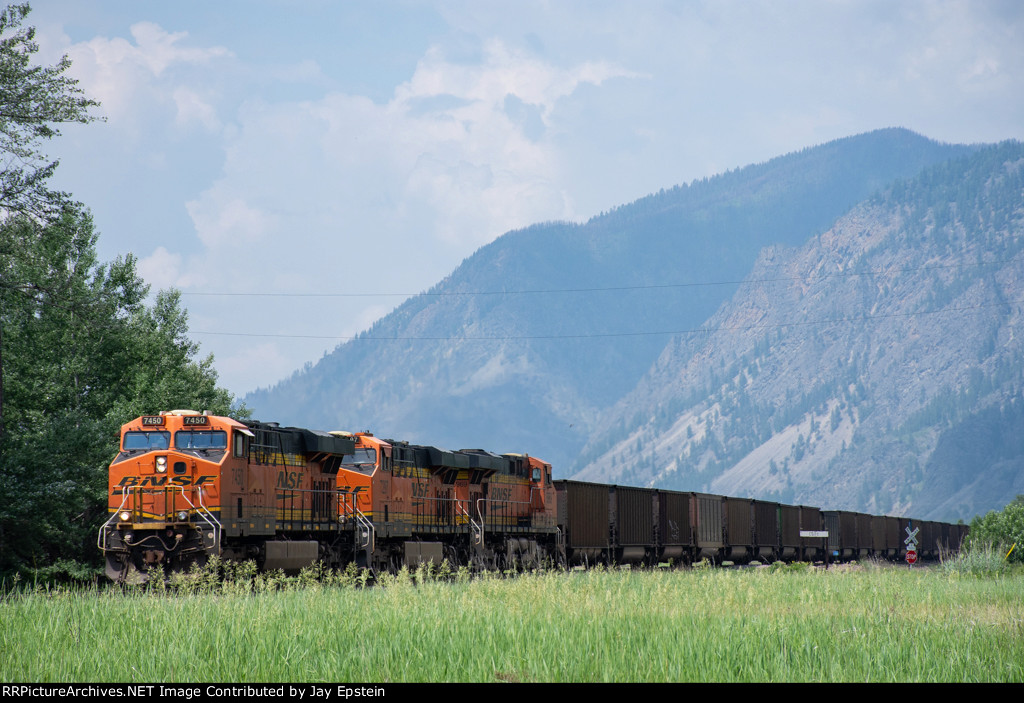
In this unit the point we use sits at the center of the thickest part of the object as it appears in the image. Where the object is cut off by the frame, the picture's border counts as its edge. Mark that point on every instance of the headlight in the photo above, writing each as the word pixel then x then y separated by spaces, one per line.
pixel 161 464
pixel 182 515
pixel 125 516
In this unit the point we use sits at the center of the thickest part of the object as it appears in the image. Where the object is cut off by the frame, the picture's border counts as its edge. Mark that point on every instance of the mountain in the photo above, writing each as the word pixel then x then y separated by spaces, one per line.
pixel 876 367
pixel 493 357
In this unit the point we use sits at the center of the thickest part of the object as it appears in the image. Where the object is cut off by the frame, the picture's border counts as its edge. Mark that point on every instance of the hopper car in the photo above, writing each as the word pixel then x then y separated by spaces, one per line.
pixel 610 524
pixel 186 486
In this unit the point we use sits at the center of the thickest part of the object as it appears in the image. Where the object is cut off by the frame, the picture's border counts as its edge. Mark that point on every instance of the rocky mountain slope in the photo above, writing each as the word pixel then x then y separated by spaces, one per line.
pixel 492 357
pixel 876 367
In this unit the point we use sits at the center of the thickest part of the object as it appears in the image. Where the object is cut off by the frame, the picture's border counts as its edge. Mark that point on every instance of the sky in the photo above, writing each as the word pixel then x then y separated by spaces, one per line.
pixel 297 170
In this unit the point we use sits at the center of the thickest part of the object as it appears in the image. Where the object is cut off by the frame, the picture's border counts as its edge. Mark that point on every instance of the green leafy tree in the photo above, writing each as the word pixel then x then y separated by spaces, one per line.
pixel 33 101
pixel 84 354
pixel 81 352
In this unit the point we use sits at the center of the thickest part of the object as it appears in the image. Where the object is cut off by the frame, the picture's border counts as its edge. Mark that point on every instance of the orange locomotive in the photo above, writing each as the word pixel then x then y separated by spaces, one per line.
pixel 469 506
pixel 187 485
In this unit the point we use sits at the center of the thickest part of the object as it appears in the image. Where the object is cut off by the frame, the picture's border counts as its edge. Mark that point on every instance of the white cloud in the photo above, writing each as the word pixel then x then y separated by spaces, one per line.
pixel 161 269
pixel 157 49
pixel 441 158
pixel 128 77
pixel 503 71
pixel 192 108
pixel 227 224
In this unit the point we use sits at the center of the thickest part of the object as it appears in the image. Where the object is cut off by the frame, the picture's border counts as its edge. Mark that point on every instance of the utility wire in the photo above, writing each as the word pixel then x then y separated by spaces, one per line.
pixel 34 293
pixel 596 289
pixel 699 330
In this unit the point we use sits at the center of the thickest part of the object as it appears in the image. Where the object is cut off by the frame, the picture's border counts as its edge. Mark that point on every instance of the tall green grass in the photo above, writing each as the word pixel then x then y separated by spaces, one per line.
pixel 891 624
pixel 978 559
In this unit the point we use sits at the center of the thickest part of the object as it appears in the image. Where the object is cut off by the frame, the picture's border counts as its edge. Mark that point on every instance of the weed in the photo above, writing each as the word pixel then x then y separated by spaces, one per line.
pixel 978 559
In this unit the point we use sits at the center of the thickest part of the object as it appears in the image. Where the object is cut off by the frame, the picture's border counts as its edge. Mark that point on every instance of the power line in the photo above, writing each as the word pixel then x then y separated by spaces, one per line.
pixel 596 335
pixel 597 289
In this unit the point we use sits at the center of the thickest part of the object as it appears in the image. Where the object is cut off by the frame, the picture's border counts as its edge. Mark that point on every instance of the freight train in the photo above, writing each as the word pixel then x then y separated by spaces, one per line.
pixel 187 485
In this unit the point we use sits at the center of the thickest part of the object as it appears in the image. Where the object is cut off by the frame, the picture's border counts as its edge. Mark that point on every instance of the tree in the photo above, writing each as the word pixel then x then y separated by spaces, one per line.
pixel 80 351
pixel 33 99
pixel 83 354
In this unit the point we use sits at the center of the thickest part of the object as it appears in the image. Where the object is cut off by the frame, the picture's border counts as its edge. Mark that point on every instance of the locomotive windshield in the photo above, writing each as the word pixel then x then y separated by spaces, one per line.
pixel 364 460
pixel 146 441
pixel 201 439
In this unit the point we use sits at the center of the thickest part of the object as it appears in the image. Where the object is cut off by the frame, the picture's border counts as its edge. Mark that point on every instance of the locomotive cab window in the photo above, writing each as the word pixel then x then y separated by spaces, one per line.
pixel 146 441
pixel 201 439
pixel 364 461
pixel 238 442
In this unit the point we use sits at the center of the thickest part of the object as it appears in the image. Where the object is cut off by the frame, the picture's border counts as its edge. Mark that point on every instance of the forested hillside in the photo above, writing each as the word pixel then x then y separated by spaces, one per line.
pixel 877 367
pixel 535 336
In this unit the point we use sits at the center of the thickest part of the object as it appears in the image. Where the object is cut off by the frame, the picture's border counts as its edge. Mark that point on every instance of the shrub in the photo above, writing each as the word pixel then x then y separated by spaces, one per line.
pixel 1001 529
pixel 977 559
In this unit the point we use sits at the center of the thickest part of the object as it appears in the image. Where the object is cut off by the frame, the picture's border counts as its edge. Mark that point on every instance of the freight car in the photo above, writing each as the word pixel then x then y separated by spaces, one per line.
pixel 187 485
pixel 623 524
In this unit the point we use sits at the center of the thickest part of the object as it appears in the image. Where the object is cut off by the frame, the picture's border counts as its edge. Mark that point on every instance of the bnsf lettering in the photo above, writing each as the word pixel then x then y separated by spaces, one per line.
pixel 289 479
pixel 419 489
pixel 158 481
pixel 500 493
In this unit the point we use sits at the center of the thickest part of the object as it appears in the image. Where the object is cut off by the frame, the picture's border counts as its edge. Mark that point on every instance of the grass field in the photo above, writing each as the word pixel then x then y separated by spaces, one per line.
pixel 789 624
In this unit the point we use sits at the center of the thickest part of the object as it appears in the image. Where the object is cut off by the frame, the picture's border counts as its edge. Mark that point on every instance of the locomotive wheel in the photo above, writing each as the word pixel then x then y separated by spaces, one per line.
pixel 451 553
pixel 117 567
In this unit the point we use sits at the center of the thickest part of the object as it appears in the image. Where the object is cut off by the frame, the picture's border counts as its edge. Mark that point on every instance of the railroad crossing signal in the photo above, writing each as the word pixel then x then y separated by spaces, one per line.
pixel 911 542
pixel 911 535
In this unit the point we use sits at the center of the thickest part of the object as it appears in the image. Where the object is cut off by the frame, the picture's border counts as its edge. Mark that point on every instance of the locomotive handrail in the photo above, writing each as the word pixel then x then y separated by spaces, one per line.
pixel 482 513
pixel 204 513
pixel 367 531
pixel 476 527
pixel 347 506
pixel 309 505
pixel 370 533
pixel 101 538
pixel 439 512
